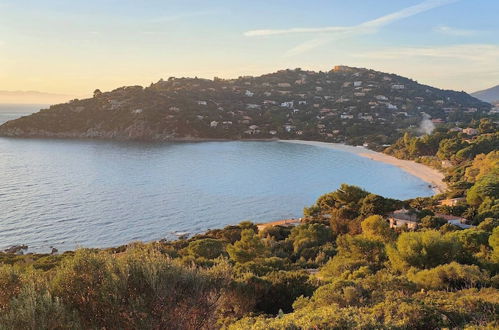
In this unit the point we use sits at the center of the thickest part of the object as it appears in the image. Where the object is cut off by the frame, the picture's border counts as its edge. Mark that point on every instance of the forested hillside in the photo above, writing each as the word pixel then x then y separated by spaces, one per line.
pixel 345 104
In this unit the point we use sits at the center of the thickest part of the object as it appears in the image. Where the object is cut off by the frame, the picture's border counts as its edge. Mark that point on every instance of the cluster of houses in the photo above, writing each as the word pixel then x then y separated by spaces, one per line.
pixel 295 103
pixel 404 218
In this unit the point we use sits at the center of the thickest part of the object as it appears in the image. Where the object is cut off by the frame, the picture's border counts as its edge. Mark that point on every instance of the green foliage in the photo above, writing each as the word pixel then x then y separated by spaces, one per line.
pixel 377 227
pixel 486 187
pixel 278 233
pixel 248 248
pixel 360 247
pixel 283 289
pixel 482 165
pixel 451 276
pixel 472 240
pixel 346 198
pixel 488 224
pixel 341 266
pixel 206 248
pixel 309 235
pixel 423 250
pixel 263 266
pixel 32 309
pixel 432 222
pixel 494 244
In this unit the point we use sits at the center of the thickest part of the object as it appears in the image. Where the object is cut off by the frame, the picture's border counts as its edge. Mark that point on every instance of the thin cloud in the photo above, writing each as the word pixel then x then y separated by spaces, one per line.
pixel 447 30
pixel 330 33
pixel 487 53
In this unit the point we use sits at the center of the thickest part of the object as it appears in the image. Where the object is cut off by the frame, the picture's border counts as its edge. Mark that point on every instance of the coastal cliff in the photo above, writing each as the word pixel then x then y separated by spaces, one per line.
pixel 348 105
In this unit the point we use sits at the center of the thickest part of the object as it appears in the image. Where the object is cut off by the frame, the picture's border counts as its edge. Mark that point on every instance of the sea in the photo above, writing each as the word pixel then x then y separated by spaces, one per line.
pixel 84 193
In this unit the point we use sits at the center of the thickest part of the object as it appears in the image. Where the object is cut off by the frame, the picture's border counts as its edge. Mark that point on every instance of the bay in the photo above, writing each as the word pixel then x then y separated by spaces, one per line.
pixel 81 193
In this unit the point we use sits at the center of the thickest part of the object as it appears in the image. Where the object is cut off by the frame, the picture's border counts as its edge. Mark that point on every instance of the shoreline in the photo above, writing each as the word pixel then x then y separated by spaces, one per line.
pixel 423 172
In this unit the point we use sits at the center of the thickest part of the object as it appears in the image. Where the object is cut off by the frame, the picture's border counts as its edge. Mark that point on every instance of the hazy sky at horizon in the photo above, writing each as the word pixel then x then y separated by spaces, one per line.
pixel 73 47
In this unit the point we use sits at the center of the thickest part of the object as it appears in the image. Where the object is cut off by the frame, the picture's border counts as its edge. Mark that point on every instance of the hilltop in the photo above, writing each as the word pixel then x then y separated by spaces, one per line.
pixel 488 95
pixel 346 104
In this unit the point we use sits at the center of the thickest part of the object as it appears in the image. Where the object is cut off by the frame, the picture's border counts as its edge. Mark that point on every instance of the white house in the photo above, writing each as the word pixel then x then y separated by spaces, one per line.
pixel 252 106
pixel 391 106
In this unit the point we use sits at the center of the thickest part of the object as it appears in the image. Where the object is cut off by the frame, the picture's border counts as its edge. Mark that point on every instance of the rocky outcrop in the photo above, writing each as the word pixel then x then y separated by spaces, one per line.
pixel 18 249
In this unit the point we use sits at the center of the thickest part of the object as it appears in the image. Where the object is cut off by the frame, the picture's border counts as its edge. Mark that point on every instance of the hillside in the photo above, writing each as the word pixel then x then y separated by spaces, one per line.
pixel 346 104
pixel 488 95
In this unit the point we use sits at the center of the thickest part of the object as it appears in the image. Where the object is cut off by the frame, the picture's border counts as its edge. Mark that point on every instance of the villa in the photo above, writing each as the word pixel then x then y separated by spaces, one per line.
pixel 403 217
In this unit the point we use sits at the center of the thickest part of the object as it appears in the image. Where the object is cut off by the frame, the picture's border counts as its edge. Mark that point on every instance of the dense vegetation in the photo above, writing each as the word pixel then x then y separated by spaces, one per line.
pixel 470 163
pixel 343 267
pixel 350 105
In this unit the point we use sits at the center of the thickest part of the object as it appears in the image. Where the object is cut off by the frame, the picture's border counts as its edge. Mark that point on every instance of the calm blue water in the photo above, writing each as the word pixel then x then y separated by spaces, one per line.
pixel 68 193
pixel 13 111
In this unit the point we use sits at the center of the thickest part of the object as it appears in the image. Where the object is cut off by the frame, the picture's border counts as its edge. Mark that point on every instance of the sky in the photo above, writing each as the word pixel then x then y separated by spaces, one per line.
pixel 73 47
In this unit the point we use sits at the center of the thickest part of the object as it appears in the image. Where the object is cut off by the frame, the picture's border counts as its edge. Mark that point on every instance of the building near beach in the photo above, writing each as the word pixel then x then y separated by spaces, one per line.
pixel 403 218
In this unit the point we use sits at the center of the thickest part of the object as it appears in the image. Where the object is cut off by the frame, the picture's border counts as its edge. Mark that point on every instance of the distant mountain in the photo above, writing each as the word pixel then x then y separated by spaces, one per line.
pixel 488 95
pixel 345 104
pixel 32 97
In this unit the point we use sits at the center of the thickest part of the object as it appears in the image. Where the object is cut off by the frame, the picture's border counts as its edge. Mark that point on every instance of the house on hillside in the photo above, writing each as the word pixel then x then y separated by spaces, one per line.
pixel 452 201
pixel 454 220
pixel 284 223
pixel 288 104
pixel 403 217
pixel 470 131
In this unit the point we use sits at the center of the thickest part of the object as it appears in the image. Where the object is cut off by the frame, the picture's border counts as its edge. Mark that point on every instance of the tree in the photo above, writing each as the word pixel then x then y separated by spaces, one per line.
pixel 347 197
pixel 248 248
pixel 487 186
pixel 449 147
pixel 494 244
pixel 487 126
pixel 488 224
pixel 482 165
pixel 450 276
pixel 284 288
pixel 97 93
pixel 309 235
pixel 373 204
pixel 208 248
pixel 360 247
pixel 432 222
pixel 423 250
pixel 377 227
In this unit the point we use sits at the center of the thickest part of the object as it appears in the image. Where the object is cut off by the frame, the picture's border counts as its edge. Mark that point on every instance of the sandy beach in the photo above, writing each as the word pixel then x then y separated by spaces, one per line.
pixel 425 173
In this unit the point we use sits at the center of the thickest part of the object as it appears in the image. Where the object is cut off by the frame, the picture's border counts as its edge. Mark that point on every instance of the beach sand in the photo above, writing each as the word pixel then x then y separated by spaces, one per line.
pixel 425 173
